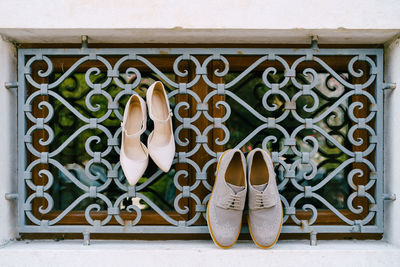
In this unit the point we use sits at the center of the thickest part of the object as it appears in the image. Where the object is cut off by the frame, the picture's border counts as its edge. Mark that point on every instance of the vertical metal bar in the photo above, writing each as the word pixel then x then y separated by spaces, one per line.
pixel 313 238
pixel 20 133
pixel 86 238
pixel 314 42
pixel 379 149
pixel 85 41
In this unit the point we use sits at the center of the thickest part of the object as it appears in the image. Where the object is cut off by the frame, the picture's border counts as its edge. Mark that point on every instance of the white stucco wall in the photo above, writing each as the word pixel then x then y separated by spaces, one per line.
pixel 200 21
pixel 392 142
pixel 207 21
pixel 200 14
pixel 8 145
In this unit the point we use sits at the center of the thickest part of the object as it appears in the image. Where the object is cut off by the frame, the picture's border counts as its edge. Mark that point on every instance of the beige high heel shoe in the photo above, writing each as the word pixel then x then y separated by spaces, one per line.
pixel 161 143
pixel 134 156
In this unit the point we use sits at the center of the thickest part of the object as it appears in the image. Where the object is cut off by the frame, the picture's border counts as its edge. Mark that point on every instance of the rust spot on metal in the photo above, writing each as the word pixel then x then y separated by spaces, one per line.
pixel 303 226
pixel 163 52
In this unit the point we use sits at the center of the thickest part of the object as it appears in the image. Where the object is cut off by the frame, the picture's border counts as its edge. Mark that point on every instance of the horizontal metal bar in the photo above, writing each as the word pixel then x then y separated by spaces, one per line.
pixel 199 51
pixel 11 196
pixel 391 197
pixel 11 85
pixel 183 230
pixel 390 86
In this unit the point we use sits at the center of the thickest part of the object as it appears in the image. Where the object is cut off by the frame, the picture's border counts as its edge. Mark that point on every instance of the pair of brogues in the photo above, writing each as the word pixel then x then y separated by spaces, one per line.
pixel 232 184
pixel 134 155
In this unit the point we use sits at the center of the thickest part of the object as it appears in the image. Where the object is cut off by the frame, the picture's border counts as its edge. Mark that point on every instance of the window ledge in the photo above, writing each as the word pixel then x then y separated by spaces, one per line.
pixel 198 253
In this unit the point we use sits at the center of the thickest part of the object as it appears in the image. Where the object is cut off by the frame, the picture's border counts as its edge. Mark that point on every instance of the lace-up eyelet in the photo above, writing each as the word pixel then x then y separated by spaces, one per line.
pixel 233 202
pixel 260 200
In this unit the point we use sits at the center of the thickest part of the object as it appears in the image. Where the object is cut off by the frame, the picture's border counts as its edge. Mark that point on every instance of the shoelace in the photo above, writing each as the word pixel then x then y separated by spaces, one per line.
pixel 233 202
pixel 266 201
pixel 260 200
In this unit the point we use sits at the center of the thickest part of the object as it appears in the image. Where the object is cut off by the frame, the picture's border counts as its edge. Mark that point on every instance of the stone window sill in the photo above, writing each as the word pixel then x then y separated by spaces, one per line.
pixel 198 253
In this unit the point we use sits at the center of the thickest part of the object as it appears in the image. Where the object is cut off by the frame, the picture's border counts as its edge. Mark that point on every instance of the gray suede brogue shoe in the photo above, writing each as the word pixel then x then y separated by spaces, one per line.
pixel 226 204
pixel 265 207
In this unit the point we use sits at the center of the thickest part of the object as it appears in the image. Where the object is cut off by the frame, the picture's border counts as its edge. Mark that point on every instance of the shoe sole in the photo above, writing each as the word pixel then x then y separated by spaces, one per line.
pixel 280 227
pixel 208 219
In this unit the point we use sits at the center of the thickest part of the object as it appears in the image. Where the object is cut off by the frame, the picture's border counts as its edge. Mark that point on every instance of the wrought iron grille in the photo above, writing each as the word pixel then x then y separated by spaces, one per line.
pixel 303 126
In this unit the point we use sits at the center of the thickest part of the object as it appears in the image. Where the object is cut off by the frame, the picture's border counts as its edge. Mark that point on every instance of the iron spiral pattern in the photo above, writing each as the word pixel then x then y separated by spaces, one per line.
pixel 303 127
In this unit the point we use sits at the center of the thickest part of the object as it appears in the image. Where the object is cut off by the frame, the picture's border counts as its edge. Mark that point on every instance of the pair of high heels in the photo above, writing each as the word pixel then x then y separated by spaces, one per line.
pixel 134 155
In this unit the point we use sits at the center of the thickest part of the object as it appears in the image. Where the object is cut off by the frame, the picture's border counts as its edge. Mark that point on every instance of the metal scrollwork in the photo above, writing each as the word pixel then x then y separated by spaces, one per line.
pixel 313 134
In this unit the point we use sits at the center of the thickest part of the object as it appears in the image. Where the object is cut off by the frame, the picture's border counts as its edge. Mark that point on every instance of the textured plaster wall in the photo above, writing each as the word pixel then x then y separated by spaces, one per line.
pixel 8 142
pixel 200 21
pixel 200 14
pixel 392 142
